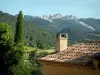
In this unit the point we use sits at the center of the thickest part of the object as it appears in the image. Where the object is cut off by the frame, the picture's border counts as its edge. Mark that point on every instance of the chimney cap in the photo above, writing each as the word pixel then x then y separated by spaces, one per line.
pixel 62 33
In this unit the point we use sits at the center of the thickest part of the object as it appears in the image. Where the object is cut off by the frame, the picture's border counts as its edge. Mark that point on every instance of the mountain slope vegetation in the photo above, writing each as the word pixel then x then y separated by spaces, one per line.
pixel 41 31
pixel 34 35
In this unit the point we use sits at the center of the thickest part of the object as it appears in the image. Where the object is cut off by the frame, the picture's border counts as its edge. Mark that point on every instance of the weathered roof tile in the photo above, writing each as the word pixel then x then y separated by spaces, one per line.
pixel 79 53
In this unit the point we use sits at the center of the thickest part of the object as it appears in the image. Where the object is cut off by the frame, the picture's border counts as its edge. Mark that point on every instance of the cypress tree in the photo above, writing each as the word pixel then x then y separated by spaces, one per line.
pixel 19 34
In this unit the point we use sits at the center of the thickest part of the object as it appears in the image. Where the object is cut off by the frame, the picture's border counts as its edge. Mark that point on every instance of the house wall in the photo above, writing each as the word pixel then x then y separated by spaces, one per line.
pixel 58 70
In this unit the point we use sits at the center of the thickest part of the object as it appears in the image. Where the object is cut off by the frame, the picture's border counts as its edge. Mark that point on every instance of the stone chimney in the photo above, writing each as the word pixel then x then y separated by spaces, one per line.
pixel 61 42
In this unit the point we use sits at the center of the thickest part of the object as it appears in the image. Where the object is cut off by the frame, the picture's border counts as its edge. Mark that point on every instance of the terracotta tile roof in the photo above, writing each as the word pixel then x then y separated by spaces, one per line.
pixel 77 54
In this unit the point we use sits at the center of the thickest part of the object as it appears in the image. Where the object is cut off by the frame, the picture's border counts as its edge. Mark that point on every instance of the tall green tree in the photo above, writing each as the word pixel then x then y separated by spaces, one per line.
pixel 20 67
pixel 19 34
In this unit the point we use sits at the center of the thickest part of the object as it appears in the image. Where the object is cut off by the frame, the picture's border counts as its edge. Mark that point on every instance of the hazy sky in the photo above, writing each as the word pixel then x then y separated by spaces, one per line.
pixel 78 8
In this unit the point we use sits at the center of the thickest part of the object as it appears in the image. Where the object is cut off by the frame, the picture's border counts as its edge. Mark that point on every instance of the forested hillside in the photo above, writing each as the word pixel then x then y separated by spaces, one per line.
pixel 34 35
pixel 40 38
pixel 78 29
pixel 41 31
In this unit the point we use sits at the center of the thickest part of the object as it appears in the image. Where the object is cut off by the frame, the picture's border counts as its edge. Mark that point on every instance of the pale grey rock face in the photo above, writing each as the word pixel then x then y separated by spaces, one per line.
pixel 59 16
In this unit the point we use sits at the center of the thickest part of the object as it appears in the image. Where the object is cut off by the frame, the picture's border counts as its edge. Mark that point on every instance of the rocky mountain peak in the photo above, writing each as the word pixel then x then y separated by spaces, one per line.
pixel 59 16
pixel 55 16
pixel 71 17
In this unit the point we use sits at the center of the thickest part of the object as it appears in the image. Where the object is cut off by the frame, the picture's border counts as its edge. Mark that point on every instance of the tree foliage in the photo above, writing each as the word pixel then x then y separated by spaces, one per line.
pixel 19 34
pixel 12 57
pixel 6 46
pixel 39 38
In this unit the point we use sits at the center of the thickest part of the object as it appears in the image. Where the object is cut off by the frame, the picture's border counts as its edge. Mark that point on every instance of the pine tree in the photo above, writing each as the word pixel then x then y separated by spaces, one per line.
pixel 19 34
